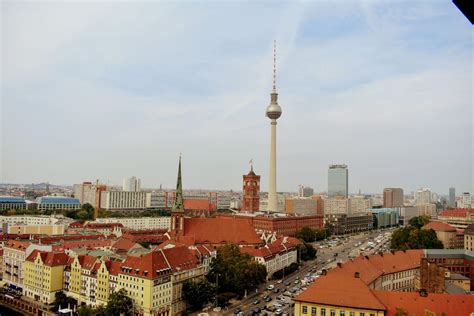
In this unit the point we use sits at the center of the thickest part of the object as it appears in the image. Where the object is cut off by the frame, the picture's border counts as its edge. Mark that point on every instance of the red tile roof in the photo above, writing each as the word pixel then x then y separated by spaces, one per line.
pixel 416 305
pixel 339 288
pixel 269 251
pixel 76 224
pixel 221 230
pixel 197 204
pixel 51 259
pixel 150 266
pixel 123 244
pixel 87 262
pixel 457 212
pixel 113 266
pixel 16 244
pixel 180 258
pixel 439 226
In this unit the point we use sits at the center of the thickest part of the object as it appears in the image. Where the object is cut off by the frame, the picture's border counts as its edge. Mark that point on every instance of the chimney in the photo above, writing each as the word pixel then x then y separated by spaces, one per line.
pixel 381 254
pixel 423 293
pixel 339 264
pixel 323 272
pixel 392 251
pixel 356 275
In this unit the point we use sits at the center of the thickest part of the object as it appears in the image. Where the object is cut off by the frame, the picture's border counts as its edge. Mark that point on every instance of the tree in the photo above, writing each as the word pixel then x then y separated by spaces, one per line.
pixel 119 303
pixel 199 293
pixel 410 237
pixel 63 301
pixel 84 310
pixel 235 272
pixel 306 234
pixel 419 221
pixel 306 252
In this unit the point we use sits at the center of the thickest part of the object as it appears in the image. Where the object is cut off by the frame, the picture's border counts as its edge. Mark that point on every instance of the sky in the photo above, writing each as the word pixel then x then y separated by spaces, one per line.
pixel 101 90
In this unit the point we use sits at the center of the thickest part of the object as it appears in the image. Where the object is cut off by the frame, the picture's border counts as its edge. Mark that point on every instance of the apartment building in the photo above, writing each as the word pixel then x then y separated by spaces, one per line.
pixel 14 255
pixel 123 200
pixel 43 275
pixel 138 223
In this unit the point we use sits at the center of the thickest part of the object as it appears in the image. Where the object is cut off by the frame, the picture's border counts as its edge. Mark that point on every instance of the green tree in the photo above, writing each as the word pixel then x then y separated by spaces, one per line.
pixel 63 301
pixel 235 272
pixel 85 310
pixel 306 252
pixel 410 237
pixel 419 221
pixel 306 234
pixel 119 303
pixel 198 293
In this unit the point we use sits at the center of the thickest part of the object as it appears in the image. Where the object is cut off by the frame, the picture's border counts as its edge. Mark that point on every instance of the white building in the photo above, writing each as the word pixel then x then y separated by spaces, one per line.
pixel 123 200
pixel 359 204
pixel 337 205
pixel 275 256
pixel 29 219
pixel 132 184
pixel 138 223
pixel 466 200
pixel 263 206
pixel 423 196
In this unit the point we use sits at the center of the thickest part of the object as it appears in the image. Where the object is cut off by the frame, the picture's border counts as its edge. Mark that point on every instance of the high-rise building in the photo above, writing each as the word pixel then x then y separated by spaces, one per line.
pixel 251 189
pixel 273 112
pixel 423 196
pixel 305 191
pixel 392 197
pixel 466 201
pixel 132 184
pixel 88 192
pixel 452 197
pixel 338 181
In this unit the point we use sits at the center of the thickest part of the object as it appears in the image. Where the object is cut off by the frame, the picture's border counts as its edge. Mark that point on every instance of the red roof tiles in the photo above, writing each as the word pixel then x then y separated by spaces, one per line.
pixel 457 212
pixel 150 266
pixel 439 226
pixel 51 259
pixel 220 230
pixel 340 288
pixel 416 305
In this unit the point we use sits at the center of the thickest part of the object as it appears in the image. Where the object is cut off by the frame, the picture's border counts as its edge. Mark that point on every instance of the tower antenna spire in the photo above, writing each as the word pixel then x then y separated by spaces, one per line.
pixel 274 65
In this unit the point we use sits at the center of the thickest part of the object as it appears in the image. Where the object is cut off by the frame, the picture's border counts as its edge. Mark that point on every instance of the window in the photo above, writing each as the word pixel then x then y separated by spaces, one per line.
pixel 361 314
pixel 305 310
pixel 342 313
pixel 352 313
pixel 313 310
pixel 323 312
pixel 333 312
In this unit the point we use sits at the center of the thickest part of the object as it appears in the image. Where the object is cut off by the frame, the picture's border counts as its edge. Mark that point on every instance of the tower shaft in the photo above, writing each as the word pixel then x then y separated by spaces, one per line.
pixel 272 195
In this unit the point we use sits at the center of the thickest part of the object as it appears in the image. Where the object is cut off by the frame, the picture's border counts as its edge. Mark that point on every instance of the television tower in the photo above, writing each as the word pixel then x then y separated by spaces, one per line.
pixel 273 112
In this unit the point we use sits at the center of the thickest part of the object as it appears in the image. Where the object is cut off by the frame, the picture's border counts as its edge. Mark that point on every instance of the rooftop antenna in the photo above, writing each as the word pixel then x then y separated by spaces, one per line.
pixel 274 65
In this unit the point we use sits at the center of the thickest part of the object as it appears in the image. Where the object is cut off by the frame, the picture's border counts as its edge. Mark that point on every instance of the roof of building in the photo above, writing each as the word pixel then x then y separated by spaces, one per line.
pixel 469 230
pixel 113 266
pixel 76 224
pixel 49 258
pixel 414 304
pixel 180 258
pixel 150 266
pixel 455 276
pixel 197 204
pixel 220 230
pixel 456 212
pixel 12 199
pixel 124 244
pixel 87 262
pixel 339 288
pixel 17 244
pixel 102 225
pixel 449 253
pixel 439 226
pixel 57 200
pixel 269 251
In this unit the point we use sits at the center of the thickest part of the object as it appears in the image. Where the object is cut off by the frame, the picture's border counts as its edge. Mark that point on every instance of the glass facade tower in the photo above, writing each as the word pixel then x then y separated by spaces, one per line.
pixel 338 181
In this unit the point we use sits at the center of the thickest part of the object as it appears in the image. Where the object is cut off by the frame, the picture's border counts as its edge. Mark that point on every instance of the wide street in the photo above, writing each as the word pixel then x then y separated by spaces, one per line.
pixel 333 251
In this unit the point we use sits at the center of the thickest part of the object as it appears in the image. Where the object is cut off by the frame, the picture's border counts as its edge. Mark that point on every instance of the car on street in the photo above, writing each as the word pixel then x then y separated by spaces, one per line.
pixel 268 299
pixel 237 311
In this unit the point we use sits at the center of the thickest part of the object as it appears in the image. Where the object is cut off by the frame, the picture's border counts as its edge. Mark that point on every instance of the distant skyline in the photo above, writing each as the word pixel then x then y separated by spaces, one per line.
pixel 101 90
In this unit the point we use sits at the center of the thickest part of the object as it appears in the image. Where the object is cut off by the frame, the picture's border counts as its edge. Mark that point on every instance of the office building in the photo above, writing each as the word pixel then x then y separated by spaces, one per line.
pixel 336 205
pixel 385 217
pixel 88 192
pixel 393 197
pixel 57 203
pixel 132 184
pixel 138 223
pixel 423 196
pixel 123 200
pixel 12 203
pixel 338 181
pixel 359 204
pixel 466 201
pixel 452 197
pixel 301 206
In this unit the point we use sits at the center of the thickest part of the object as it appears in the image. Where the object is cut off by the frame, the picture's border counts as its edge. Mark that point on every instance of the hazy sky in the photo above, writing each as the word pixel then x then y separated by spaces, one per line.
pixel 102 90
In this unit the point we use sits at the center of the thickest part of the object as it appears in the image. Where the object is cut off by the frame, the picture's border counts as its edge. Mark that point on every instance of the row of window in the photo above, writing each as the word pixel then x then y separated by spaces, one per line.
pixel 331 312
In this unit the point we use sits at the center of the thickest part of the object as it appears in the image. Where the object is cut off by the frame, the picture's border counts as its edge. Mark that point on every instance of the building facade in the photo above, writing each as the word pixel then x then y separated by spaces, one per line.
pixel 393 197
pixel 12 203
pixel 138 223
pixel 57 203
pixel 123 200
pixel 251 192
pixel 338 181
pixel 452 197
pixel 301 206
pixel 132 184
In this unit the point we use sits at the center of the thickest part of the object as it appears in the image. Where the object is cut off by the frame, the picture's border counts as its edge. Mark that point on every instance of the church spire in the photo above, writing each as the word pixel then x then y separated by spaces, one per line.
pixel 178 205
